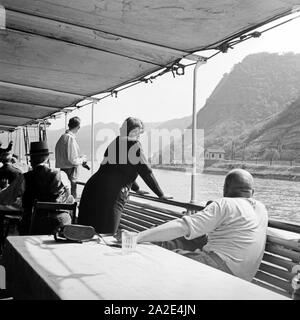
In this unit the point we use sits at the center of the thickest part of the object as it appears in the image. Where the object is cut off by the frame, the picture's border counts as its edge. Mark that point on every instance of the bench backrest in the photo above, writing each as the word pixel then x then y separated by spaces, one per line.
pixel 280 267
pixel 138 216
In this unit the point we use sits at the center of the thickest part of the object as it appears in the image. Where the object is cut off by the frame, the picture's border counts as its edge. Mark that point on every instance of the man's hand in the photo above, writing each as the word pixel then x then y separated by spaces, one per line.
pixel 118 235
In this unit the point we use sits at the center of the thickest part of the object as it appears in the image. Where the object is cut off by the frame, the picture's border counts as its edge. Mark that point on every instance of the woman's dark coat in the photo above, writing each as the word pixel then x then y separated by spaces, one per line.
pixel 105 193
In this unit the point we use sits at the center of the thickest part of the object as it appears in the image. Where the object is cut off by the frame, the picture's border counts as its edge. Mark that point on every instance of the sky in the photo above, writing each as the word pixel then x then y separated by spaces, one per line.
pixel 171 98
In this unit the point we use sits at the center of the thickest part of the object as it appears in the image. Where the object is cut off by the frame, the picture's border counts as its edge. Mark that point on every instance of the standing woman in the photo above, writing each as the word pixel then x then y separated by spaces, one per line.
pixel 105 193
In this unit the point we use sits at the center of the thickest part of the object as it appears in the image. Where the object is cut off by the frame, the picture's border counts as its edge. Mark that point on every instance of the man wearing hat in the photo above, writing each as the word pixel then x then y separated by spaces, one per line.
pixel 43 184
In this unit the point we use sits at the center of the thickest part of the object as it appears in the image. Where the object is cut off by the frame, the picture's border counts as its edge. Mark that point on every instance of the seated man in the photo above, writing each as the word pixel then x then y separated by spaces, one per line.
pixel 23 167
pixel 43 184
pixel 7 172
pixel 236 227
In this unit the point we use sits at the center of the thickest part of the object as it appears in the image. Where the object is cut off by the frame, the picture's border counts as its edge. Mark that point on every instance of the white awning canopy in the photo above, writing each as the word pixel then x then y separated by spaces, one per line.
pixel 55 53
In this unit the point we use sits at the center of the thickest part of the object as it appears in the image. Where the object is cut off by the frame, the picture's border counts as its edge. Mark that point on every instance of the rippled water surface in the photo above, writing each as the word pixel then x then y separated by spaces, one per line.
pixel 282 198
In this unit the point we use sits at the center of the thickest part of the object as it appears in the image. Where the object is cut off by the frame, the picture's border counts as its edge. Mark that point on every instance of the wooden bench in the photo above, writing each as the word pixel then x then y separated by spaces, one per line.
pixel 139 216
pixel 280 267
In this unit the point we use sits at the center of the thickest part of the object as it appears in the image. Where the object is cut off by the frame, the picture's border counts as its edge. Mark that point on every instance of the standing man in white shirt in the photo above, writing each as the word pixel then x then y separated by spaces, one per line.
pixel 236 227
pixel 67 153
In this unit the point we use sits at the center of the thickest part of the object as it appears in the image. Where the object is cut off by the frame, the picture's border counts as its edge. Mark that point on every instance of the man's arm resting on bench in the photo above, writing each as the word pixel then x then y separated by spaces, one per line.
pixel 167 231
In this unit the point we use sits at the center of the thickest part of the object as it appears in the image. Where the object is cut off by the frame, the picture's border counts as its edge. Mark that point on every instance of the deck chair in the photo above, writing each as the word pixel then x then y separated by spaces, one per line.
pixel 52 206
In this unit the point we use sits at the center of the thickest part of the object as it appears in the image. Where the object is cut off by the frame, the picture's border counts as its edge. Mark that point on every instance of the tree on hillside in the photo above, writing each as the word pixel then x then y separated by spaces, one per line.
pixel 251 152
pixel 288 155
pixel 236 148
pixel 271 155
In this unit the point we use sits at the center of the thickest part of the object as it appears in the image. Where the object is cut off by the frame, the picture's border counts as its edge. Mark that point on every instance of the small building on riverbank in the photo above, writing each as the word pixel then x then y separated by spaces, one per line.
pixel 214 153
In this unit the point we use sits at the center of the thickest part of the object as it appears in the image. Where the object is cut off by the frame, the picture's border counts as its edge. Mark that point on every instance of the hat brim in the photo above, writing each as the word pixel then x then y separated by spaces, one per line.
pixel 38 154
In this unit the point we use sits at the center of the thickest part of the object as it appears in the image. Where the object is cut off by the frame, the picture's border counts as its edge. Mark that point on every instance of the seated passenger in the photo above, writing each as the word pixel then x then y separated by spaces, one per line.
pixel 43 184
pixel 236 227
pixel 7 172
pixel 8 149
pixel 16 163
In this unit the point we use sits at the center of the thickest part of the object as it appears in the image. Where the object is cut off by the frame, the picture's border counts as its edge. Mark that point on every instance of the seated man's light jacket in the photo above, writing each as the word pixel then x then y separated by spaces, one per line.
pixel 236 229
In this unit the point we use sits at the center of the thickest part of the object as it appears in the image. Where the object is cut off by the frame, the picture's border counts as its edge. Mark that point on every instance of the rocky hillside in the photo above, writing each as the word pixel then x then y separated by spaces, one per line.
pixel 280 132
pixel 181 124
pixel 257 88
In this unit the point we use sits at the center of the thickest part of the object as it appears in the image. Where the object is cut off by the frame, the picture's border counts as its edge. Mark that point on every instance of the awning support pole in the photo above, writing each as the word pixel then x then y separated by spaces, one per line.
pixel 20 143
pixel 26 142
pixel 194 129
pixel 92 138
pixel 66 121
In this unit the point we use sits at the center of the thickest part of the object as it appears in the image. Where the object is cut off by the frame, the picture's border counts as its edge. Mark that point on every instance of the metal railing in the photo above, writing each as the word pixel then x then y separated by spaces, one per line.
pixel 186 205
pixel 272 223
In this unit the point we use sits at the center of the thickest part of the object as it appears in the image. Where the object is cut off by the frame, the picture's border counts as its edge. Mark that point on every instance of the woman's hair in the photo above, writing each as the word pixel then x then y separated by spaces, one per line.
pixel 130 124
pixel 74 123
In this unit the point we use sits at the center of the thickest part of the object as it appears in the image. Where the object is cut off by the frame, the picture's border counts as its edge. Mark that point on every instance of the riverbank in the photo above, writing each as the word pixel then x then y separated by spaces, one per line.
pixel 290 173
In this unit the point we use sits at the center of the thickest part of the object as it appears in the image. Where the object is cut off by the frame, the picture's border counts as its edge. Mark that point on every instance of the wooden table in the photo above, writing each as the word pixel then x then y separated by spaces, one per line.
pixel 39 268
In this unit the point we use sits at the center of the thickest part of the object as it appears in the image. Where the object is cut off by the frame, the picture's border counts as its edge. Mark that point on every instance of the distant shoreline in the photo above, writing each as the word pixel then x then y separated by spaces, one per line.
pixel 266 174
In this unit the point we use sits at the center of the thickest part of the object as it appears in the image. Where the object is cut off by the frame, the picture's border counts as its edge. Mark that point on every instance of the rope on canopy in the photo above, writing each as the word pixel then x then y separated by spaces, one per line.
pixel 243 32
pixel 177 69
pixel 223 48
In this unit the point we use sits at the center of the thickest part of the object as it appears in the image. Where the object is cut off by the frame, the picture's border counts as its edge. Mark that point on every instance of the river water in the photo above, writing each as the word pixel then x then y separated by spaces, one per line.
pixel 282 198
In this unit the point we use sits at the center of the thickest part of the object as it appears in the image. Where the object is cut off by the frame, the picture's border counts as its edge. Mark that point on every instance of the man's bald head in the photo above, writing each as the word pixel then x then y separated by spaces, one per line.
pixel 238 183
